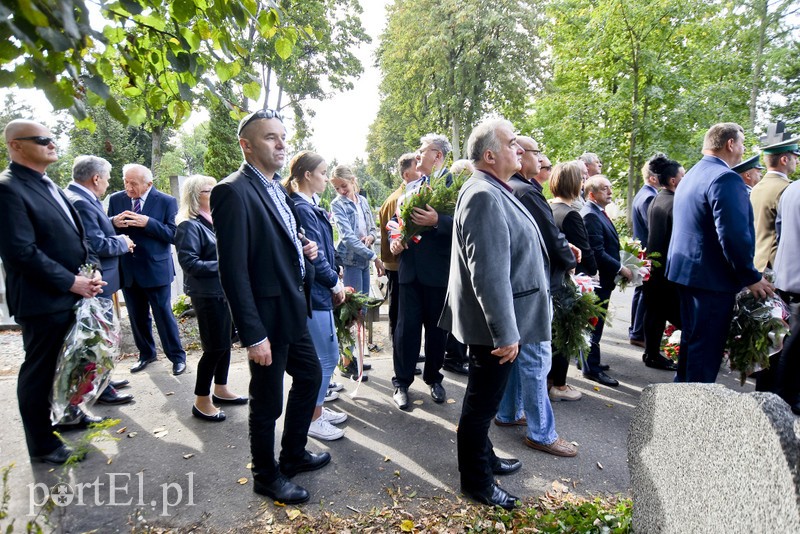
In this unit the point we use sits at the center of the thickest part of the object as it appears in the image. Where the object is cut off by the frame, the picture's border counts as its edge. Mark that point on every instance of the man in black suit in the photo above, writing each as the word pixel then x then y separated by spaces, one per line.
pixel 90 177
pixel 424 268
pixel 605 244
pixel 147 216
pixel 267 281
pixel 42 246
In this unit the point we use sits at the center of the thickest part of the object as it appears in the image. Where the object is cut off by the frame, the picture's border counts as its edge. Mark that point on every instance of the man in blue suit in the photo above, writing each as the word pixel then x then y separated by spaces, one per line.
pixel 641 203
pixel 147 216
pixel 711 252
pixel 605 244
pixel 90 176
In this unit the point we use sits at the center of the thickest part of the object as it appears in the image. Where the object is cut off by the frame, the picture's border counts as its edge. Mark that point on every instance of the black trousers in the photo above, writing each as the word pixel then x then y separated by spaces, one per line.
pixel 420 305
pixel 300 361
pixel 394 299
pixel 214 322
pixel 661 304
pixel 485 386
pixel 558 369
pixel 140 301
pixel 786 377
pixel 42 337
pixel 593 358
pixel 455 351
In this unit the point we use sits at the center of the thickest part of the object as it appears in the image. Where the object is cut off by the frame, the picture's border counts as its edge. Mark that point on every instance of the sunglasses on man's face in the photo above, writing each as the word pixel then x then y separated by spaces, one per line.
pixel 38 139
pixel 260 114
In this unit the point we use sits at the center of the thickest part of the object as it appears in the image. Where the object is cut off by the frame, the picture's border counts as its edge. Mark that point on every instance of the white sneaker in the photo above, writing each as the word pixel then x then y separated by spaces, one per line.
pixel 335 386
pixel 334 418
pixel 569 394
pixel 322 429
pixel 331 395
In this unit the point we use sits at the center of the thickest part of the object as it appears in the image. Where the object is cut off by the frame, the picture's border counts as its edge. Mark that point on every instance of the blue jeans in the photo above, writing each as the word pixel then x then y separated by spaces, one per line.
pixel 526 393
pixel 323 334
pixel 357 278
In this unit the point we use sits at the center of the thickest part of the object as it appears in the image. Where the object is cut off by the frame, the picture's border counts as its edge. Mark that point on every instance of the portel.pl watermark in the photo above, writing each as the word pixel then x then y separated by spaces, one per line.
pixel 113 489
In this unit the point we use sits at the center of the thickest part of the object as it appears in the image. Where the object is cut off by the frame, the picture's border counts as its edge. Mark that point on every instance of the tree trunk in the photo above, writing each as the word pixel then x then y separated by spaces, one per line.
pixel 762 10
pixel 456 140
pixel 157 151
pixel 632 170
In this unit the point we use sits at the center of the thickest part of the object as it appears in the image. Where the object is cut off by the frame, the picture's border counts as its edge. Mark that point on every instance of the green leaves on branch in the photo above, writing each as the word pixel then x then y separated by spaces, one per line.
pixel 143 44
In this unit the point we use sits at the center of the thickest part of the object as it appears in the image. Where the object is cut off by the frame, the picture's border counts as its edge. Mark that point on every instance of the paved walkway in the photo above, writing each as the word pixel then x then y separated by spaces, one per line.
pixel 172 469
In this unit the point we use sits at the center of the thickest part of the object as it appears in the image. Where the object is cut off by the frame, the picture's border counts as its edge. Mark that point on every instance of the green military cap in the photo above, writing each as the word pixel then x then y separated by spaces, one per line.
pixel 749 163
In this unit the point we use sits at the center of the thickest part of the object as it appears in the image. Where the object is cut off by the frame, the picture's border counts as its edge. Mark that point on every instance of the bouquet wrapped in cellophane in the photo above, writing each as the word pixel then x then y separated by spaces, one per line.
pixel 576 310
pixel 436 195
pixel 757 331
pixel 87 356
pixel 351 313
pixel 634 257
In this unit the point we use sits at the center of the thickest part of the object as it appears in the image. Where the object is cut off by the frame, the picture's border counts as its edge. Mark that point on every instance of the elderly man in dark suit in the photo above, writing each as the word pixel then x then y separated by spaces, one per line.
pixel 711 252
pixel 605 244
pixel 267 281
pixel 147 216
pixel 90 176
pixel 43 244
pixel 423 281
pixel 641 203
pixel 497 299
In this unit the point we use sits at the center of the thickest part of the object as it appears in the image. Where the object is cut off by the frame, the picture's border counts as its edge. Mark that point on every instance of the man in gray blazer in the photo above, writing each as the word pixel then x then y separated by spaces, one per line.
pixel 497 299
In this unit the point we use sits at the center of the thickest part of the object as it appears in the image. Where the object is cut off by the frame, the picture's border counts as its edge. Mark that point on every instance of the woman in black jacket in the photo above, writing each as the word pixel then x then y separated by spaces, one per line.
pixel 197 255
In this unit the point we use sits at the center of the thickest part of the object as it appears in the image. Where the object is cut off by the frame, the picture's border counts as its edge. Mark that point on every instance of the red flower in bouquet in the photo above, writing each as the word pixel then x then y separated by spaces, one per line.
pixel 593 321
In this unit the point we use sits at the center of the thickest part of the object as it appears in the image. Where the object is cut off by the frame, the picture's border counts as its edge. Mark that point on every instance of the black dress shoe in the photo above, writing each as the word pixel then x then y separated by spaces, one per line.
pixel 602 378
pixel 141 365
pixel 366 366
pixel 604 367
pixel 282 490
pixel 659 362
pixel 420 358
pixel 417 371
pixel 119 384
pixel 310 462
pixel 400 398
pixel 494 496
pixel 112 396
pixel 77 420
pixel 57 457
pixel 216 418
pixel 178 368
pixel 437 393
pixel 506 466
pixel 234 400
pixel 455 367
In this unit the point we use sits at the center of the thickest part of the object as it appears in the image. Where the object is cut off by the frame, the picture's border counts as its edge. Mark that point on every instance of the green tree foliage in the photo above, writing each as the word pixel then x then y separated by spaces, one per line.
pixel 223 155
pixel 11 110
pixel 446 64
pixel 787 84
pixel 646 77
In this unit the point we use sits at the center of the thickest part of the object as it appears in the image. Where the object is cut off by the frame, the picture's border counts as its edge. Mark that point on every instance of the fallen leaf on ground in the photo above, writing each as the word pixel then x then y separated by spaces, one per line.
pixel 187 455
pixel 407 525
pixel 249 466
pixel 160 432
pixel 419 402
pixel 242 480
pixel 108 462
pixel 609 405
pixel 599 465
pixel 122 430
pixel 596 388
pixel 132 434
pixel 168 393
pixel 293 514
pixel 387 459
pixel 397 473
pixel 451 401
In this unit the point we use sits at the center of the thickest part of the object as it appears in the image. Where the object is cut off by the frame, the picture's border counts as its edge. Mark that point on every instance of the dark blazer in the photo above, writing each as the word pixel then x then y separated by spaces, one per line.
pixel 197 256
pixel 317 226
pixel 258 263
pixel 150 264
pixel 569 221
pixel 604 241
pixel 713 238
pixel 529 193
pixel 641 203
pixel 659 222
pixel 100 234
pixel 41 250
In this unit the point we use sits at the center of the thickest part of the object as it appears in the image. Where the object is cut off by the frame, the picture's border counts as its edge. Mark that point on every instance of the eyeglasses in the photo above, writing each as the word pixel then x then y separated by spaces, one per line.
pixel 535 152
pixel 547 167
pixel 38 139
pixel 260 114
pixel 205 191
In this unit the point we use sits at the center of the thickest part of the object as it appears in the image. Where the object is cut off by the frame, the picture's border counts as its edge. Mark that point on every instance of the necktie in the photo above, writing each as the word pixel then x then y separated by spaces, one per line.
pixel 51 187
pixel 137 205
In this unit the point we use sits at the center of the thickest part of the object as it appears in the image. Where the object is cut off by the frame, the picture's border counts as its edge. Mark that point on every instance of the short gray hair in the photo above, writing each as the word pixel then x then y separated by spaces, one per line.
pixel 85 167
pixel 484 137
pixel 718 135
pixel 148 174
pixel 589 157
pixel 439 141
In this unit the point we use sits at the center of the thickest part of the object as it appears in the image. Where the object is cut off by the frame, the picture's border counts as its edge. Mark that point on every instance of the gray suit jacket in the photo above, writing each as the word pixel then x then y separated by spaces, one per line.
pixel 498 291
